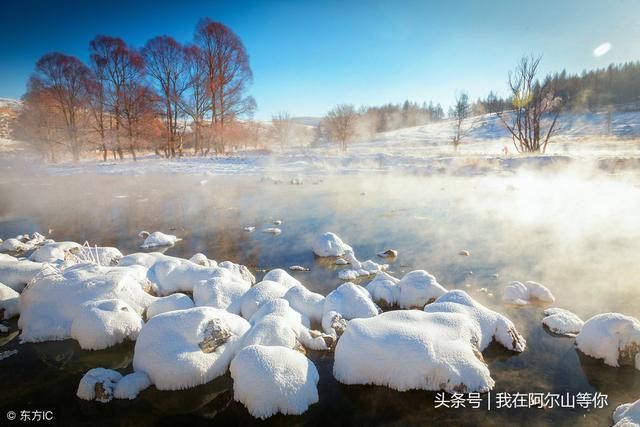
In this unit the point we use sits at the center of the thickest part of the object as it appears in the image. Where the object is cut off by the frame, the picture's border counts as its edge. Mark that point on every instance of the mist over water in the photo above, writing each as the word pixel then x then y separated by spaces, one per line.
pixel 576 230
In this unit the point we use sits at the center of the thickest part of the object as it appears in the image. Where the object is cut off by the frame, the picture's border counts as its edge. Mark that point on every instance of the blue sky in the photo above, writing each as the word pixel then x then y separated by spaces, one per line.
pixel 307 56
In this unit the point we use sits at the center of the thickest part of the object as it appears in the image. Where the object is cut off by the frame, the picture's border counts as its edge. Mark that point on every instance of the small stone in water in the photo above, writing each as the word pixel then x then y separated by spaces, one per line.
pixel 277 222
pixel 464 253
pixel 389 253
pixel 272 230
pixel 299 268
pixel 249 229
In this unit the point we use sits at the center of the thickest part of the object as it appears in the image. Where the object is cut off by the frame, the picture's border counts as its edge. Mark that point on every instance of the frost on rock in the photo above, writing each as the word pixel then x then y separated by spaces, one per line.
pixel 50 304
pixel 224 291
pixel 627 415
pixel 359 268
pixel 16 273
pixel 9 302
pixel 281 276
pixel 309 304
pixel 54 251
pixel 131 385
pixel 493 325
pixel 562 322
pixel 186 348
pixel 104 255
pixel 329 244
pixel 171 302
pixel 519 293
pixel 418 288
pixel 268 380
pixel 384 289
pixel 277 324
pixel 102 324
pixel 98 384
pixel 613 337
pixel 157 239
pixel 411 349
pixel 263 292
pixel 351 302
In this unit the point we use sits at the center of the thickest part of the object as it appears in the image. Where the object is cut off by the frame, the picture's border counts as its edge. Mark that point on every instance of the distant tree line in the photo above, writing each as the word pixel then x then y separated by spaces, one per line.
pixel 129 98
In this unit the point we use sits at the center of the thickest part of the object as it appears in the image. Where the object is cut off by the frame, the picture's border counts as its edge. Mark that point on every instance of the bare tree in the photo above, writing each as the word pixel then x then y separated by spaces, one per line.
pixel 533 120
pixel 196 102
pixel 165 61
pixel 228 74
pixel 40 123
pixel 281 127
pixel 341 124
pixel 122 71
pixel 460 111
pixel 64 77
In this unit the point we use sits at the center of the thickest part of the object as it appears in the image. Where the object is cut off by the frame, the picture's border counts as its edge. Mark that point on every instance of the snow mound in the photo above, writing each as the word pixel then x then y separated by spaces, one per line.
pixel 281 276
pixel 224 291
pixel 171 302
pixel 522 293
pixel 54 251
pixel 268 380
pixel 562 322
pixel 613 337
pixel 144 259
pixel 16 273
pixel 410 349
pixel 261 293
pixel 186 348
pixel 102 324
pixel 9 302
pixel 329 244
pixel 98 384
pixel 131 385
pixel 158 238
pixel 239 269
pixel 178 275
pixel 351 301
pixel 627 415
pixel 309 304
pixel 49 305
pixel 418 288
pixel 384 289
pixel 493 325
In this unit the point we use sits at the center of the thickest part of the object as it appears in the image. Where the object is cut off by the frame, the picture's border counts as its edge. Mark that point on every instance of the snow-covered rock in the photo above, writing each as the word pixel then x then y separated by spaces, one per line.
pixel 201 259
pixel 224 291
pixel 519 293
pixel 101 255
pixel 17 273
pixel 493 325
pixel 265 291
pixel 129 386
pixel 23 243
pixel 186 348
pixel 9 302
pixel 277 324
pixel 98 384
pixel 562 322
pixel 158 238
pixel 351 301
pixel 173 274
pixel 240 269
pixel 50 304
pixel 144 259
pixel 281 276
pixel 384 289
pixel 54 251
pixel 272 230
pixel 171 302
pixel 410 349
pixel 105 323
pixel 627 415
pixel 268 380
pixel 418 288
pixel 329 244
pixel 309 304
pixel 613 337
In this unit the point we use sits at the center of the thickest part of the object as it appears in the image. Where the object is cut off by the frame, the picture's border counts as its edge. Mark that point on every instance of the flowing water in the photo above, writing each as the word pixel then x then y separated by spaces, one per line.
pixel 576 232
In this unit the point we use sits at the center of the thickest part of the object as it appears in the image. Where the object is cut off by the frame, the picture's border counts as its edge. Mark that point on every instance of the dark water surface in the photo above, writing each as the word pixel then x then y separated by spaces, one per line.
pixel 578 237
